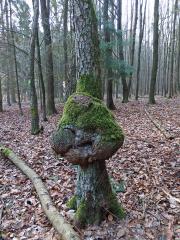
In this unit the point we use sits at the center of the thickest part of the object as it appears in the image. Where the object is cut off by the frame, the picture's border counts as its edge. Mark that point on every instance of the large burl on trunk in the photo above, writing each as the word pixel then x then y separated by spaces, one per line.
pixel 87 135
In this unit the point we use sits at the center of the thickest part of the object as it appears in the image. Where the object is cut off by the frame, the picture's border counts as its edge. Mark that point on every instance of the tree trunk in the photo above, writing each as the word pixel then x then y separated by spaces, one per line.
pixel 65 31
pixel 164 68
pixel 121 54
pixel 49 58
pixel 41 78
pixel 178 59
pixel 8 57
pixel 133 45
pixel 34 104
pixel 15 61
pixel 87 43
pixel 72 75
pixel 1 97
pixel 94 193
pixel 58 38
pixel 141 34
pixel 108 57
pixel 2 24
pixel 171 90
pixel 155 53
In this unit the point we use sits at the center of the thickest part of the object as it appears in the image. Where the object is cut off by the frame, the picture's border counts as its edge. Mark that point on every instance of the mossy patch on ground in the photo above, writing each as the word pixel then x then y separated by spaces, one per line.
pixel 6 151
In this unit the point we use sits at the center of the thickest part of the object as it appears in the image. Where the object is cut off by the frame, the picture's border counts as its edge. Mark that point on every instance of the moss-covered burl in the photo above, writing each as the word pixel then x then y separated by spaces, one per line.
pixel 87 135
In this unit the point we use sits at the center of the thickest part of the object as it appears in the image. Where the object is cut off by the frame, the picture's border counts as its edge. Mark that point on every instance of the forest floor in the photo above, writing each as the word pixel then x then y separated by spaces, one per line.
pixel 144 173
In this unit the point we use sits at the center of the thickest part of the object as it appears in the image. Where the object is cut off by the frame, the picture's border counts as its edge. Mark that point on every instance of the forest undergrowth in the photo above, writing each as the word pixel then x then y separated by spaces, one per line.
pixel 144 173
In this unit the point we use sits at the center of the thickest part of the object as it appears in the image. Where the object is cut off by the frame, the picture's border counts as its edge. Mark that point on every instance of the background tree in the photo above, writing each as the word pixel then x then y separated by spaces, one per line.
pixel 155 53
pixel 108 57
pixel 171 90
pixel 45 11
pixel 141 33
pixel 42 86
pixel 121 54
pixel 65 31
pixel 34 104
pixel 1 94
pixel 8 55
pixel 178 59
pixel 15 61
pixel 133 44
pixel 1 99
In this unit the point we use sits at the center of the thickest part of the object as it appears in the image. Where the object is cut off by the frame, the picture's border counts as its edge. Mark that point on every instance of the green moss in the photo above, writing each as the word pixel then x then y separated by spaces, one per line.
pixel 81 213
pixel 93 117
pixel 6 152
pixel 115 207
pixel 88 84
pixel 34 112
pixel 85 216
pixel 72 203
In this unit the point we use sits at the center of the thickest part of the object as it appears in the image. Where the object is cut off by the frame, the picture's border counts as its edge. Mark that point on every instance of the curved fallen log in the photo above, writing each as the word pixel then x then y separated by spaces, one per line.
pixel 157 125
pixel 64 229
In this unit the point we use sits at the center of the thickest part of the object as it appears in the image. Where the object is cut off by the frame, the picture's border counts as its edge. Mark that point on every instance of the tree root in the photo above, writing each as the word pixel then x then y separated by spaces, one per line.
pixel 64 229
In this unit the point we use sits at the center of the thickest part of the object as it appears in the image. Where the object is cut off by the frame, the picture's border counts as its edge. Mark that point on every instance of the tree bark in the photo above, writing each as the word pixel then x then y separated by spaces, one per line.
pixel 65 31
pixel 15 61
pixel 155 53
pixel 133 45
pixel 1 97
pixel 59 91
pixel 8 55
pixel 64 229
pixel 72 77
pixel 41 78
pixel 87 42
pixel 34 104
pixel 178 60
pixel 108 58
pixel 49 58
pixel 141 34
pixel 121 54
pixel 171 80
pixel 2 24
pixel 93 194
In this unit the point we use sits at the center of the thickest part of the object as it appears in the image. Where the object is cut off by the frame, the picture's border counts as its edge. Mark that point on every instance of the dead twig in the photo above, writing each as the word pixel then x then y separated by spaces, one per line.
pixel 170 196
pixel 1 212
pixel 159 127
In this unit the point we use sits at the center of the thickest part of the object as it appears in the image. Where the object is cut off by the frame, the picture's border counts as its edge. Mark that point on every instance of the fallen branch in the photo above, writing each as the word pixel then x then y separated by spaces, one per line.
pixel 1 213
pixel 159 127
pixel 170 196
pixel 65 230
